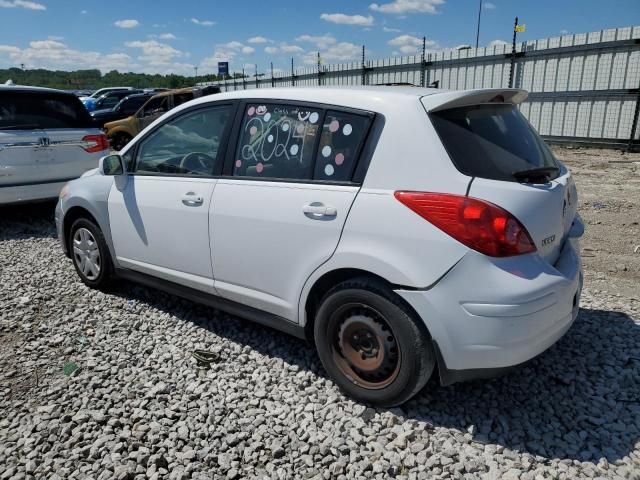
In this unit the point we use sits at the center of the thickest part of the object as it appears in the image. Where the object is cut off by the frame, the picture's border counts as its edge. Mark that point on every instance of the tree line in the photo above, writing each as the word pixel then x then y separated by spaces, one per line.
pixel 94 79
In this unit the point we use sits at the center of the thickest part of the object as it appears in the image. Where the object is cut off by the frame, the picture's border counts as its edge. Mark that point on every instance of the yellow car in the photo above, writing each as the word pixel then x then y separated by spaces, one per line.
pixel 122 131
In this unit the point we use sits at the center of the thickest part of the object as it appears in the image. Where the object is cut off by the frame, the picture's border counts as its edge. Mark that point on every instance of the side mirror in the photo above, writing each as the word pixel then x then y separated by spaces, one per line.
pixel 111 165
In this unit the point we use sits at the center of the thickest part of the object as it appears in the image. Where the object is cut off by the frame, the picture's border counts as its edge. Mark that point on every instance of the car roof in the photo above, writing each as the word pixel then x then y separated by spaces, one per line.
pixel 373 98
pixel 27 88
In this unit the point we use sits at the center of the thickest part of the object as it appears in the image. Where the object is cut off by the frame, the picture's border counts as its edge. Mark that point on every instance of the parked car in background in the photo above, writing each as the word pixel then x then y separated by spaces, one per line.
pixel 407 232
pixel 46 139
pixel 89 102
pixel 126 107
pixel 122 131
pixel 111 99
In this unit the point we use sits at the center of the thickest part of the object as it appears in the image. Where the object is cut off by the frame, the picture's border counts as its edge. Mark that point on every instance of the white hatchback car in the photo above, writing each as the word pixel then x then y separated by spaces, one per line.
pixel 402 230
pixel 46 139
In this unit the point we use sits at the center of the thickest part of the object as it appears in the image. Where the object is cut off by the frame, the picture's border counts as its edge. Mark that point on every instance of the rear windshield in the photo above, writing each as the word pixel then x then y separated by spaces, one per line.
pixel 491 141
pixel 24 109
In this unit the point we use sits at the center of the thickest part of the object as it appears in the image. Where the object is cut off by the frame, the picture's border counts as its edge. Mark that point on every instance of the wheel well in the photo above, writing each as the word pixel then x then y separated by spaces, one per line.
pixel 325 283
pixel 71 216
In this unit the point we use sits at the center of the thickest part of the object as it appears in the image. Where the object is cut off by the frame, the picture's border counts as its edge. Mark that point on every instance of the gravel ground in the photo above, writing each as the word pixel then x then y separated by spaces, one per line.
pixel 101 386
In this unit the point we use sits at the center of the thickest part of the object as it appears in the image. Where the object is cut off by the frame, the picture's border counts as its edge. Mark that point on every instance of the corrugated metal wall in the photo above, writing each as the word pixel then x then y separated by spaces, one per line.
pixel 583 86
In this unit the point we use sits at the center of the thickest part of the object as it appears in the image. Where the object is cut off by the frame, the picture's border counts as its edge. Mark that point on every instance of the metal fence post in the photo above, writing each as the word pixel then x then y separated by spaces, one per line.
pixel 513 54
pixel 273 82
pixel 423 64
pixel 364 71
pixel 293 76
pixel 319 70
pixel 634 124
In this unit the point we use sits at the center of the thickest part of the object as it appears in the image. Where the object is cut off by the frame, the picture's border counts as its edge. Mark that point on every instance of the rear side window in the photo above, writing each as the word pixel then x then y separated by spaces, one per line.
pixel 491 141
pixel 181 98
pixel 340 142
pixel 277 141
pixel 42 110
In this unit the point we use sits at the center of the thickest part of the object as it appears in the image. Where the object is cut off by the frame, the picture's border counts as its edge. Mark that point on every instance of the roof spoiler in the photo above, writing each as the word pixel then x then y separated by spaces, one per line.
pixel 454 99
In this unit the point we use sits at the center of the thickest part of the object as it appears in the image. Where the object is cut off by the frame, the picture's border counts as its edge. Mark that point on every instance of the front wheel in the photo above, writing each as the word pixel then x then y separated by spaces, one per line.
pixel 90 253
pixel 371 344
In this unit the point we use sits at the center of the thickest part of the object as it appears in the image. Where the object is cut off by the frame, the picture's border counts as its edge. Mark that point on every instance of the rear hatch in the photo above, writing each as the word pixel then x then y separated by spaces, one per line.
pixel 56 137
pixel 489 140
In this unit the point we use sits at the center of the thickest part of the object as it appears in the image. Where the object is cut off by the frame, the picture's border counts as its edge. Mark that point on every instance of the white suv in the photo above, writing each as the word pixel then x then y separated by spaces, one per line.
pixel 46 139
pixel 402 230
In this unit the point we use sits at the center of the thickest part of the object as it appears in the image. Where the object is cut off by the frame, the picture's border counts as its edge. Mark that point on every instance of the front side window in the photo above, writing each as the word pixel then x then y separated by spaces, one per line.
pixel 156 106
pixel 277 141
pixel 187 145
pixel 340 142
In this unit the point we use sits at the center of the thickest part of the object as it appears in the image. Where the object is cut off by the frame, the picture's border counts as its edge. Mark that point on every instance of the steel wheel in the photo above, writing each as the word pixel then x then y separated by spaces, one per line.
pixel 364 347
pixel 86 253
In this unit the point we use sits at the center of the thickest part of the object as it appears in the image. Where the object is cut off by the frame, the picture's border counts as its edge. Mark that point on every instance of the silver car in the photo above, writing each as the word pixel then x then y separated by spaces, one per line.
pixel 46 139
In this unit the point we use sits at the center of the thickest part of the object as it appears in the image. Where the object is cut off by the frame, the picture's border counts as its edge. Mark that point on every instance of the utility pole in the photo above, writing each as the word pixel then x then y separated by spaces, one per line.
pixel 319 68
pixel 513 53
pixel 478 31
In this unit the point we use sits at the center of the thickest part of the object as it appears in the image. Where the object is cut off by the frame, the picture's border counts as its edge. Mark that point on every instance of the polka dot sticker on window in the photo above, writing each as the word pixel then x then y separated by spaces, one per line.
pixel 294 149
pixel 253 130
pixel 285 127
pixel 238 163
pixel 251 111
pixel 341 142
pixel 267 117
pixel 259 167
pixel 270 139
pixel 313 118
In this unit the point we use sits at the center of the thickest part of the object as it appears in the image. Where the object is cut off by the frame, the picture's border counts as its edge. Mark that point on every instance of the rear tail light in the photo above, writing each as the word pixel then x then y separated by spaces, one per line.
pixel 479 225
pixel 95 143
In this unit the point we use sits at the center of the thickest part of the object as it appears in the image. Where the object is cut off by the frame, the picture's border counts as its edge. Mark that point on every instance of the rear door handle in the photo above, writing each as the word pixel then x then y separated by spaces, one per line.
pixel 192 200
pixel 318 209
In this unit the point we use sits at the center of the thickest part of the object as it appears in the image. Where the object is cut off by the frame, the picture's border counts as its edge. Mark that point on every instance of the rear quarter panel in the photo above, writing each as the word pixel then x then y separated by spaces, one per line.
pixel 381 235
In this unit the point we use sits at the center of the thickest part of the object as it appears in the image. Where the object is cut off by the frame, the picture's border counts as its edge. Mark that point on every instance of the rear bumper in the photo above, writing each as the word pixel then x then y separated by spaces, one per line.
pixel 31 192
pixel 488 315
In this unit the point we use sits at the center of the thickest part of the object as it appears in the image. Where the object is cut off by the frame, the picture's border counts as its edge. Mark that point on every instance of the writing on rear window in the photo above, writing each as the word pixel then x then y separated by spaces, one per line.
pixel 277 141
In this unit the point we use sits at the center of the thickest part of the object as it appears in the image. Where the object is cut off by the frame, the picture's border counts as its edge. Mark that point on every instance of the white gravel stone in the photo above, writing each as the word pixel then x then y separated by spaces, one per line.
pixel 140 407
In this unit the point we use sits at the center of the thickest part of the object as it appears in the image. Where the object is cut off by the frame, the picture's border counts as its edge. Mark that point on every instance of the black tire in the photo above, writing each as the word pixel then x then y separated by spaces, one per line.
pixel 346 308
pixel 119 140
pixel 102 279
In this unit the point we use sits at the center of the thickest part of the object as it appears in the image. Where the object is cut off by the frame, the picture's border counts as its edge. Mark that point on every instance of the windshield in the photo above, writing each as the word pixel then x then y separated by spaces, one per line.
pixel 492 141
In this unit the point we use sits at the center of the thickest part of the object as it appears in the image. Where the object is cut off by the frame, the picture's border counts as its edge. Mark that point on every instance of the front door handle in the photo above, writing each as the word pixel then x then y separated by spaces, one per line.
pixel 192 200
pixel 317 209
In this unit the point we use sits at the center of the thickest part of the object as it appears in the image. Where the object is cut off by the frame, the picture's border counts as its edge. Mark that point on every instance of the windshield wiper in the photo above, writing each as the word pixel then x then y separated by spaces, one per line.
pixel 536 175
pixel 20 127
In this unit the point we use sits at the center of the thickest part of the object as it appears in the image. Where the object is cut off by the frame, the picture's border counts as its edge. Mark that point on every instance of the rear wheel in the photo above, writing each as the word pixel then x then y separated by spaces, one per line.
pixel 371 344
pixel 90 253
pixel 120 140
